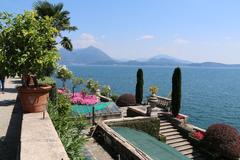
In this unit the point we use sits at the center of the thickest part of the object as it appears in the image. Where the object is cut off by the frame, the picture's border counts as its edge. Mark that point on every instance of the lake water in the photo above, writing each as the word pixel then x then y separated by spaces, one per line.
pixel 209 95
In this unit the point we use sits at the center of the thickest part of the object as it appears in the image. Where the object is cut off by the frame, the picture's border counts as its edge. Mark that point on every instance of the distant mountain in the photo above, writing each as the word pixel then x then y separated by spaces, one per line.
pixel 208 64
pixel 94 56
pixel 168 59
pixel 85 56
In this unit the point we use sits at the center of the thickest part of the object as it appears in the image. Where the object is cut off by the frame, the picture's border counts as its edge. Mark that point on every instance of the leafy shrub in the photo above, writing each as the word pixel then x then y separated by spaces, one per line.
pixel 28 45
pixel 46 81
pixel 76 81
pixel 63 73
pixel 92 85
pixel 52 82
pixel 106 90
pixel 126 99
pixel 114 97
pixel 69 128
pixel 224 140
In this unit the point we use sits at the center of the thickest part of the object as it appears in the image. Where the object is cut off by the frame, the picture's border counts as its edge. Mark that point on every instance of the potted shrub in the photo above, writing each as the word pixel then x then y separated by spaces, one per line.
pixel 28 50
pixel 153 99
pixel 49 81
pixel 153 90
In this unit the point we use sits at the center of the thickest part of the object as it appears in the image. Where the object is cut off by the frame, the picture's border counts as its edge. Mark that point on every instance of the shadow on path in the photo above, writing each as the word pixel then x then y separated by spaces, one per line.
pixel 10 90
pixel 10 144
pixel 17 81
pixel 6 103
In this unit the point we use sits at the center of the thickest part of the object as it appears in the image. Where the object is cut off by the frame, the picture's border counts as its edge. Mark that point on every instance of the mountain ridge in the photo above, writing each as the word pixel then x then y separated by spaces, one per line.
pixel 95 56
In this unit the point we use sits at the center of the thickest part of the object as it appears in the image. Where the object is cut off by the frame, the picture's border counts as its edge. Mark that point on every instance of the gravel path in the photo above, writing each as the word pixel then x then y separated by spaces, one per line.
pixel 10 121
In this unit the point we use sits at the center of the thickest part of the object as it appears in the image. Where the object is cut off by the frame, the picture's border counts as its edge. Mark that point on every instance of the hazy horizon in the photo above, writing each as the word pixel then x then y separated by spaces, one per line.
pixel 197 31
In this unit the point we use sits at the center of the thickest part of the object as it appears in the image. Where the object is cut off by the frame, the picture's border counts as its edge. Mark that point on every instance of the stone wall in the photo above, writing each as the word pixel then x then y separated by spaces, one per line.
pixel 39 139
pixel 147 125
pixel 117 146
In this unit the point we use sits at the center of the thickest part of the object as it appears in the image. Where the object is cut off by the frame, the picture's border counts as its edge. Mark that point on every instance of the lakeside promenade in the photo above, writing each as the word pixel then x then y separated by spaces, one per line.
pixel 10 121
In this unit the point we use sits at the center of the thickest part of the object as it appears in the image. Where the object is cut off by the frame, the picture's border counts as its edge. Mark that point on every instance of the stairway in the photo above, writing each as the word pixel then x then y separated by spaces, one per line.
pixel 176 140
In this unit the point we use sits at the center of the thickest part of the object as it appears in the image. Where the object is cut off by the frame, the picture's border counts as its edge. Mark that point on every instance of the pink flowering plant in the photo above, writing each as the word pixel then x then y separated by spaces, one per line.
pixel 61 90
pixel 83 98
pixel 198 134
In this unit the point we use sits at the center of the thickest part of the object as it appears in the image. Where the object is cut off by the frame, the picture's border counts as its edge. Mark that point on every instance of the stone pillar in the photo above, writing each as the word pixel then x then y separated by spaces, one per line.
pixel 153 100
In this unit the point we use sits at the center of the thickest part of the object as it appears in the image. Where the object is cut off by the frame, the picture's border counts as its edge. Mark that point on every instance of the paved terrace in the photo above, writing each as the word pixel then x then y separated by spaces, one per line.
pixel 10 121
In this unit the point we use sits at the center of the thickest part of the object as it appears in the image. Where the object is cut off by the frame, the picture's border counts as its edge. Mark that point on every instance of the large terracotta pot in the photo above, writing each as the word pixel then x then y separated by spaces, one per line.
pixel 34 99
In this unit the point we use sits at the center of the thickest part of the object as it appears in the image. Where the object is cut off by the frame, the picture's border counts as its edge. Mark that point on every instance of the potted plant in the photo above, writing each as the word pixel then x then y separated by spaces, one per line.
pixel 153 100
pixel 27 49
pixel 153 90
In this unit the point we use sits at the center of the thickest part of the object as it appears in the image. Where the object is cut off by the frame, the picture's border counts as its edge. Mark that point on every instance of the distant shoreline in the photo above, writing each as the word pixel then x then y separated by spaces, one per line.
pixel 161 66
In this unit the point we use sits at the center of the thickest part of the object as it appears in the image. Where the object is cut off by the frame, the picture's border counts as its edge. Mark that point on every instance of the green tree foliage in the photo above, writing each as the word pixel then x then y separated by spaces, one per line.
pixel 64 74
pixel 76 81
pixel 106 91
pixel 69 127
pixel 176 91
pixel 92 85
pixel 61 19
pixel 27 44
pixel 139 87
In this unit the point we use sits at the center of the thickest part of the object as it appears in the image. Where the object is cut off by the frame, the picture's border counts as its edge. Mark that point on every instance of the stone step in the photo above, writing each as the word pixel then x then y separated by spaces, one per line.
pixel 176 140
pixel 190 156
pixel 170 133
pixel 166 127
pixel 164 124
pixel 173 137
pixel 188 151
pixel 194 155
pixel 163 117
pixel 183 148
pixel 167 130
pixel 179 144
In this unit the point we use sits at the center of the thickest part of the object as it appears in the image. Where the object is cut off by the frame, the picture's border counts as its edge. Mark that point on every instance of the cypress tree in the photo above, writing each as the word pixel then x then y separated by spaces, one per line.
pixel 176 91
pixel 139 87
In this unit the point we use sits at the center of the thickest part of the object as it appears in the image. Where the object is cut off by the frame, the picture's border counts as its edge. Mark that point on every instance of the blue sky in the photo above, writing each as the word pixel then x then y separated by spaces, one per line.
pixel 196 30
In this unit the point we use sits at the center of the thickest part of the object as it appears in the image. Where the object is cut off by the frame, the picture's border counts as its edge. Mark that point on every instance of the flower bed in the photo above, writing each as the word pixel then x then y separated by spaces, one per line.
pixel 83 99
pixel 80 97
pixel 61 90
pixel 199 135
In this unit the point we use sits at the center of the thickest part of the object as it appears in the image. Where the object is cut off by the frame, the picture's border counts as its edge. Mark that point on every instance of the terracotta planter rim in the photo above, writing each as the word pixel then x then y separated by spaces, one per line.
pixel 44 88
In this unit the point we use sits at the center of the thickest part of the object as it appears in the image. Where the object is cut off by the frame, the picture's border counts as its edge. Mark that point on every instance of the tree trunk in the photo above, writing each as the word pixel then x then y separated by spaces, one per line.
pixel 64 84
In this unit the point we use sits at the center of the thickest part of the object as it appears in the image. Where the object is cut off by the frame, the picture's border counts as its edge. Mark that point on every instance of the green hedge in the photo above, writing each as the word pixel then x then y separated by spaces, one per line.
pixel 68 127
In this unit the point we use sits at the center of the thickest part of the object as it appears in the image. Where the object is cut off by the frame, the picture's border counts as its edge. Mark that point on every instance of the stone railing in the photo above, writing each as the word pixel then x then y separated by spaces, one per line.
pixel 39 139
pixel 164 102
